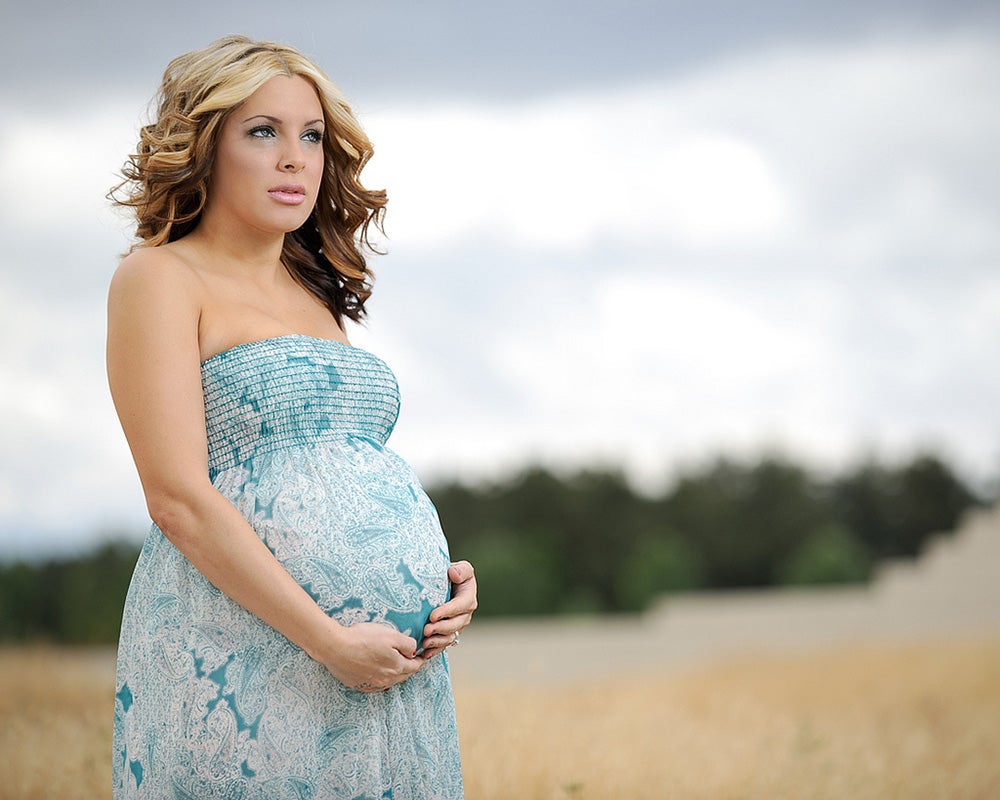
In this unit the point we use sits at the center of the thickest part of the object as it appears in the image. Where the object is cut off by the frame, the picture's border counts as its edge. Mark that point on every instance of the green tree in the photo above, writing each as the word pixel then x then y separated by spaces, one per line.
pixel 21 602
pixel 745 518
pixel 830 554
pixel 92 593
pixel 589 519
pixel 895 510
pixel 656 565
pixel 515 574
pixel 76 599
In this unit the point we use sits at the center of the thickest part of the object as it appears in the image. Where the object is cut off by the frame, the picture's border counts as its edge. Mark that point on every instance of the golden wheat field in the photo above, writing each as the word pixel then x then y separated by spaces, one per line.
pixel 889 721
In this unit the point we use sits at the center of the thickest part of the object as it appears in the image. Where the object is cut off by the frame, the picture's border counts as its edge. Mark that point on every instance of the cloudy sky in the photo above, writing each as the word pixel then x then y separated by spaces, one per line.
pixel 639 233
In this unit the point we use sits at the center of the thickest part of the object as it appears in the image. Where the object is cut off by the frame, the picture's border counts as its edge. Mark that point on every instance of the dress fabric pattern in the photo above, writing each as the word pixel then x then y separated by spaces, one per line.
pixel 210 701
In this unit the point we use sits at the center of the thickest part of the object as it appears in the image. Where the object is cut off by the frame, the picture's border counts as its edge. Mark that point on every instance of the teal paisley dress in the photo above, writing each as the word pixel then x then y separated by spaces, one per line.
pixel 211 702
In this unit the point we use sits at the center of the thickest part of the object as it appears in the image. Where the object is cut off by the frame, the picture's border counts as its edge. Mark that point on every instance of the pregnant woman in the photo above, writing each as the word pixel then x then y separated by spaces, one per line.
pixel 284 632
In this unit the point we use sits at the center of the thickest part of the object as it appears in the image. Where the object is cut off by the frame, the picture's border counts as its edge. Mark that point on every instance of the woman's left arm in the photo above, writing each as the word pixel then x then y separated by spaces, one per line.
pixel 449 619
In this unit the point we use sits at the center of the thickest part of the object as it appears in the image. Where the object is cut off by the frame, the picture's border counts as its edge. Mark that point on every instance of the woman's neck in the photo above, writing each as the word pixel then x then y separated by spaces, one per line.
pixel 254 253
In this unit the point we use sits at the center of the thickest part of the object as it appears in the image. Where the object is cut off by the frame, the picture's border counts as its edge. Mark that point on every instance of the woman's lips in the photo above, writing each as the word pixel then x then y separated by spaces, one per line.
pixel 290 195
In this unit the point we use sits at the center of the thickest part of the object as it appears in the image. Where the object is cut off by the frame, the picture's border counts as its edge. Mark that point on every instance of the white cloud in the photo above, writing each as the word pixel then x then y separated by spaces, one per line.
pixel 806 263
pixel 793 248
pixel 60 165
pixel 748 152
pixel 566 172
pixel 64 465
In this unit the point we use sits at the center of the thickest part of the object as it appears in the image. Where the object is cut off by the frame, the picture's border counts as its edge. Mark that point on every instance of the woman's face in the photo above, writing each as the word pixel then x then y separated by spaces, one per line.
pixel 269 160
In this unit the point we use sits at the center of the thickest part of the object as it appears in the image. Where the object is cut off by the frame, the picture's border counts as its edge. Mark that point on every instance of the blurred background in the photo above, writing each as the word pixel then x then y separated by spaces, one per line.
pixel 679 296
pixel 695 301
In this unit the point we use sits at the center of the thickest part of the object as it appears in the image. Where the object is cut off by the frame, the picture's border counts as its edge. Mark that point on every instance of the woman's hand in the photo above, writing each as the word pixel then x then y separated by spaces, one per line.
pixel 448 620
pixel 370 657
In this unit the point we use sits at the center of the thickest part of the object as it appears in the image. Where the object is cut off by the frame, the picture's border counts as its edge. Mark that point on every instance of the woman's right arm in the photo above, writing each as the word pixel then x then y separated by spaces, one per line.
pixel 154 372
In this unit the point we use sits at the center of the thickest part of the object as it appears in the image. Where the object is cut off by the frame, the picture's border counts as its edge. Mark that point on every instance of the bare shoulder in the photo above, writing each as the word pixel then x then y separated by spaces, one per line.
pixel 154 301
pixel 154 272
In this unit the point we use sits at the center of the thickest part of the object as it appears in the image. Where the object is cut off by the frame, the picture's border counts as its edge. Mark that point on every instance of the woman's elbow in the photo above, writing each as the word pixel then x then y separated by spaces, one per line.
pixel 175 513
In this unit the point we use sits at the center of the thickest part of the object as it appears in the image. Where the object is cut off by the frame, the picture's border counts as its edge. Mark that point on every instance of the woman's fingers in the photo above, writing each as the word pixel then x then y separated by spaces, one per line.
pixel 446 627
pixel 464 600
pixel 406 646
pixel 446 622
pixel 460 571
pixel 442 640
pixel 386 680
pixel 375 657
pixel 435 645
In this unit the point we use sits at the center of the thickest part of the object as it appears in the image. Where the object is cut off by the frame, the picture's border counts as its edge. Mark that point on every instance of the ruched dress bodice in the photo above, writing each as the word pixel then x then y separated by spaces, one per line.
pixel 293 391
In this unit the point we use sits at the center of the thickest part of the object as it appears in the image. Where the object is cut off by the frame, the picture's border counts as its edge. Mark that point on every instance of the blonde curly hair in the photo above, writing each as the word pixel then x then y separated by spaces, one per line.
pixel 166 181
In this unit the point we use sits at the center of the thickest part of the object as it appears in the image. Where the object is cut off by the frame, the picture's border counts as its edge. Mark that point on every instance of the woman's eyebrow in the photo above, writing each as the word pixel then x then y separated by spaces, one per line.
pixel 277 121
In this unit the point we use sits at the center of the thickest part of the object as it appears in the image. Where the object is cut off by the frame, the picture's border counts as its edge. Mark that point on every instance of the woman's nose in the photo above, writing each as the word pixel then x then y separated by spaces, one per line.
pixel 293 159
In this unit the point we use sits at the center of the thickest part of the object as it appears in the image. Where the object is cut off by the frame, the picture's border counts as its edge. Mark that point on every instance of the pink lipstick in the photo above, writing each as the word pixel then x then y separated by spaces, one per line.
pixel 290 194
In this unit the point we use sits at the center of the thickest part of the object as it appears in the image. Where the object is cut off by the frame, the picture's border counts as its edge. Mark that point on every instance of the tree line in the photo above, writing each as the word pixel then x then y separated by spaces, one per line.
pixel 587 542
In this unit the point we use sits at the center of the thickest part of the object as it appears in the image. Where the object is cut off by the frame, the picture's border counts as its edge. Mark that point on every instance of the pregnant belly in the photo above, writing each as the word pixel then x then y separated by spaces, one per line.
pixel 357 533
pixel 397 588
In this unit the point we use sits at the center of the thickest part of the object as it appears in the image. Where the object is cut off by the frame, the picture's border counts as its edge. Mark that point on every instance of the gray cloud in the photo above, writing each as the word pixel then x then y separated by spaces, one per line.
pixel 568 308
pixel 401 49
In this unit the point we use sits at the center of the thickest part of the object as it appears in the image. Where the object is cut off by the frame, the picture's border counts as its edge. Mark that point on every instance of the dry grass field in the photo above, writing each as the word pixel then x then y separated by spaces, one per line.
pixel 914 721
pixel 55 724
pixel 889 721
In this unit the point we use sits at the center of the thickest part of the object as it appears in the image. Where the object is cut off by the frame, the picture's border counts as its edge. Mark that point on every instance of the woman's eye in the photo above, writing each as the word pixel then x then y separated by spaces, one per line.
pixel 262 132
pixel 313 136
